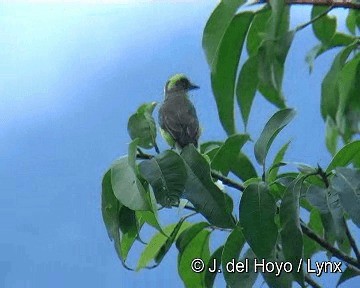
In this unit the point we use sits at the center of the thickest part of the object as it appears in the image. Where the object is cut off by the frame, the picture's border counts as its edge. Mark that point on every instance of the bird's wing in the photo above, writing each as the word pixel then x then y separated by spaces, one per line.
pixel 179 119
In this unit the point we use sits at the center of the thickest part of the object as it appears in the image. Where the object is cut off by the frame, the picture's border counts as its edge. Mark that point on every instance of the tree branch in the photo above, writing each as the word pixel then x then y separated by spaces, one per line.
pixel 337 4
pixel 311 282
pixel 141 155
pixel 337 253
pixel 227 181
pixel 352 242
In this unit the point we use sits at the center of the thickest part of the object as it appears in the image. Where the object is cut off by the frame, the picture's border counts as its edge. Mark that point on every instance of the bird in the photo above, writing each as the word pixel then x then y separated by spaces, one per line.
pixel 179 124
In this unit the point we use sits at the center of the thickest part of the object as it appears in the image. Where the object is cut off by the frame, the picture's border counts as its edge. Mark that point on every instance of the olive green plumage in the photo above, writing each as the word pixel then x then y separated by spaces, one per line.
pixel 177 115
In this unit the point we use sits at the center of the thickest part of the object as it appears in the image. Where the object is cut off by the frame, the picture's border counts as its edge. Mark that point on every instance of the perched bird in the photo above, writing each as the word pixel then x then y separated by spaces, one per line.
pixel 178 121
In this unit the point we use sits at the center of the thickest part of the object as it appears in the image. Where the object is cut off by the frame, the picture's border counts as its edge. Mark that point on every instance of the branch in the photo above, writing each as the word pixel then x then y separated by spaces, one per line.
pixel 337 253
pixel 337 4
pixel 311 282
pixel 354 269
pixel 227 181
pixel 141 155
pixel 302 26
pixel 352 242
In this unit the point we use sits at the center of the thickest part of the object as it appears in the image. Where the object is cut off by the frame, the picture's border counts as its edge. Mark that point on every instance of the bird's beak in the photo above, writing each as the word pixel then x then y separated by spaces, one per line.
pixel 193 87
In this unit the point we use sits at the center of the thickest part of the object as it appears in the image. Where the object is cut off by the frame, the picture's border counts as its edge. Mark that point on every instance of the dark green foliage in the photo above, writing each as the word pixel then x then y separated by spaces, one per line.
pixel 268 222
pixel 257 212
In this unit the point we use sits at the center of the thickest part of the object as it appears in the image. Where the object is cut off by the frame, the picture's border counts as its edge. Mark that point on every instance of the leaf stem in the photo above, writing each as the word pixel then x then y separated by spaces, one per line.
pixel 302 26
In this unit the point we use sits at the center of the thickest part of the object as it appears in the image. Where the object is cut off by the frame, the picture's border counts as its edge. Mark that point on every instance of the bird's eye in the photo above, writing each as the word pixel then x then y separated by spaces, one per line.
pixel 184 83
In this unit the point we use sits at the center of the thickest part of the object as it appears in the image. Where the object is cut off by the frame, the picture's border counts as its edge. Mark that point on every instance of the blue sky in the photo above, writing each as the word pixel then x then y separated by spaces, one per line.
pixel 70 76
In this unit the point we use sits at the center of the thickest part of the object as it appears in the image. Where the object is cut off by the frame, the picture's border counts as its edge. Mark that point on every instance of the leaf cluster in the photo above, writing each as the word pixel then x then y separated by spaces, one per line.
pixel 268 222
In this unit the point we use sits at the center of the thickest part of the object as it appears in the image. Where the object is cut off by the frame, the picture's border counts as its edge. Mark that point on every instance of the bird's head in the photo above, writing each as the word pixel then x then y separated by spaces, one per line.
pixel 179 83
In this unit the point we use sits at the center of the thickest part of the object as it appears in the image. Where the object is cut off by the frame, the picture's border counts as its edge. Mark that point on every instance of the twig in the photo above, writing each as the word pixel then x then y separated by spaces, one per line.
pixel 354 269
pixel 337 253
pixel 302 26
pixel 227 181
pixel 311 282
pixel 156 147
pixel 337 4
pixel 352 242
pixel 141 155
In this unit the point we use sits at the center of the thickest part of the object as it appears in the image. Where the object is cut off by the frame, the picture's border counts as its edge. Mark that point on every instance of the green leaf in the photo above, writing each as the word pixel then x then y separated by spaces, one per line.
pixel 151 217
pixel 280 18
pixel 327 202
pixel 331 135
pixel 274 169
pixel 283 280
pixel 232 248
pixel 257 30
pixel 129 227
pixel 141 125
pixel 168 243
pixel 272 53
pixel 337 214
pixel 127 187
pixel 347 183
pixel 317 196
pixel 216 27
pixel 275 124
pixel 348 111
pixel 207 147
pixel 110 208
pixel 159 240
pixel 247 279
pixel 272 56
pixel 338 40
pixel 224 68
pixel 350 153
pixel 189 234
pixel 329 86
pixel 257 212
pixel 325 27
pixel 310 246
pixel 346 275
pixel 305 168
pixel 242 167
pixel 246 86
pixel 166 173
pixel 314 52
pixel 351 20
pixel 215 258
pixel 197 248
pixel 201 191
pixel 291 233
pixel 227 152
